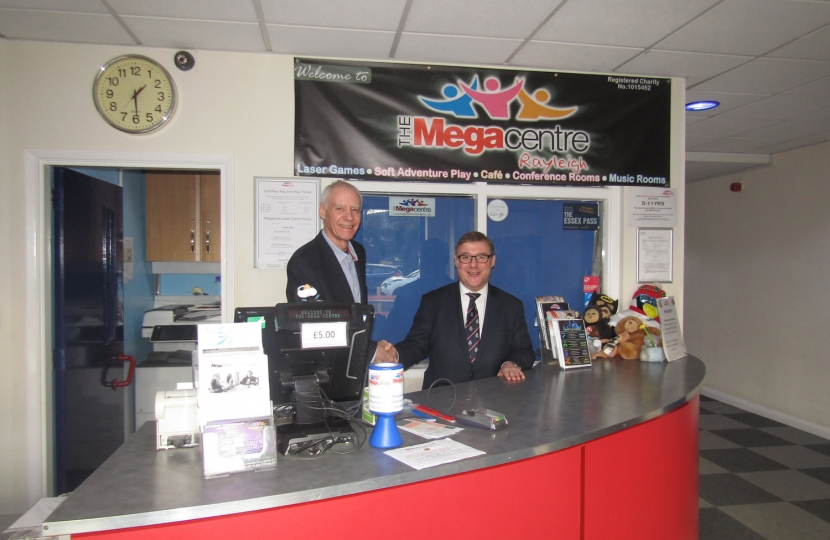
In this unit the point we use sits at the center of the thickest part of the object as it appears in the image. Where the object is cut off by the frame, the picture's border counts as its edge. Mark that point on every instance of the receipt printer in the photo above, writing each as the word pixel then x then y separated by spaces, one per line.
pixel 483 418
pixel 178 422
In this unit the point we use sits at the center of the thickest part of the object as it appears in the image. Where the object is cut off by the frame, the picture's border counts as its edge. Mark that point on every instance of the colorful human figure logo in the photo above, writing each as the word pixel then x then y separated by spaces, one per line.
pixel 495 101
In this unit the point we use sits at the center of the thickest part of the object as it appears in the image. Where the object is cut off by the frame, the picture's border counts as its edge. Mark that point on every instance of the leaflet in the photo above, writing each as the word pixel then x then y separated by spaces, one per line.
pixel 433 453
pixel 233 373
pixel 427 430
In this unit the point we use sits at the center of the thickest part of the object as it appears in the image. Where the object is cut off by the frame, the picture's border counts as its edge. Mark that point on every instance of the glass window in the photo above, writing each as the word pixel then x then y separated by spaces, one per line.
pixel 535 256
pixel 407 256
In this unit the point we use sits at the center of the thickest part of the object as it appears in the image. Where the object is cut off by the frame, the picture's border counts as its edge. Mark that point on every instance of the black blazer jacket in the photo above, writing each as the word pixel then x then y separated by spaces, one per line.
pixel 438 333
pixel 315 264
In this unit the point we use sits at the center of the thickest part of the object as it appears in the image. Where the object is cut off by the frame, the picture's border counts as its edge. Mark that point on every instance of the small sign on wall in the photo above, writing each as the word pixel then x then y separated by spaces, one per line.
pixel 412 206
pixel 652 207
pixel 654 255
pixel 580 216
pixel 286 218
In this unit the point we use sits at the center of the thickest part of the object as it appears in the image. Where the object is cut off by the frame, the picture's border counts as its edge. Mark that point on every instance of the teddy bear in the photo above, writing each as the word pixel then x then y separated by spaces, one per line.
pixel 597 324
pixel 632 337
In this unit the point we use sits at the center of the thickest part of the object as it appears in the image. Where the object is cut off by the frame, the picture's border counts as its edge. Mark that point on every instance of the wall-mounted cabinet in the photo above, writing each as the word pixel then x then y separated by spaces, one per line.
pixel 183 216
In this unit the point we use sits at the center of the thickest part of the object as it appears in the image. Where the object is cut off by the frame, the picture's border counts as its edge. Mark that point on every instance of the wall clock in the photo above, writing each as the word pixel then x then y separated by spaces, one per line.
pixel 134 94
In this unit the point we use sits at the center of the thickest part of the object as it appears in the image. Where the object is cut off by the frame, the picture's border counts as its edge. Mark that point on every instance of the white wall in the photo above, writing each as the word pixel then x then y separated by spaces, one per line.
pixel 757 284
pixel 238 104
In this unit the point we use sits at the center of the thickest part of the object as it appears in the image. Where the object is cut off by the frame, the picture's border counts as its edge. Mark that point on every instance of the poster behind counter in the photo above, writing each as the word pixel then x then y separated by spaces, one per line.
pixel 397 122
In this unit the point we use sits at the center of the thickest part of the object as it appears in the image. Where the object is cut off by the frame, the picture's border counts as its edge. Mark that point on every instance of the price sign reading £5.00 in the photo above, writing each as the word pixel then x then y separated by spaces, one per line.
pixel 328 334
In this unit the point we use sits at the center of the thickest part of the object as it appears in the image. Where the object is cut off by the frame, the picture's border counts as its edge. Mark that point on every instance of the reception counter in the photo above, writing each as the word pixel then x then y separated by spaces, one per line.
pixel 604 452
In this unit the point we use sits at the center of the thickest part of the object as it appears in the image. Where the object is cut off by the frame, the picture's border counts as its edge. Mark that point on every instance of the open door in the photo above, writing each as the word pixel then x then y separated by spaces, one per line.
pixel 88 333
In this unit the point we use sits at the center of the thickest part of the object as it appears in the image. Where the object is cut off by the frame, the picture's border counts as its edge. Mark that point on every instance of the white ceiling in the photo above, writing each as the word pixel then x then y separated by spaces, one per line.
pixel 766 61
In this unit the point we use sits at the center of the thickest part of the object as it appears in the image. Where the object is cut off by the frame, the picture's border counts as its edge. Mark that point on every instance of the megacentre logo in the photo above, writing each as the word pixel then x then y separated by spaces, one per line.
pixel 486 103
pixel 495 101
pixel 412 202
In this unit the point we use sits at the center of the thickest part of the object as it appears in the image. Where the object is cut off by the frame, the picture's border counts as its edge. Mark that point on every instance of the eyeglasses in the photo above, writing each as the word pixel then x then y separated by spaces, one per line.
pixel 481 258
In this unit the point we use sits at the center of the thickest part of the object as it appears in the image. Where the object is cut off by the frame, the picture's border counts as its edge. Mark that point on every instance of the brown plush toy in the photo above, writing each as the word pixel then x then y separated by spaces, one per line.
pixel 632 337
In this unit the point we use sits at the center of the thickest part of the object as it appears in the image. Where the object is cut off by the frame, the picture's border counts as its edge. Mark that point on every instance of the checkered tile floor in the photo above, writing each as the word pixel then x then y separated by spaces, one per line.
pixel 760 480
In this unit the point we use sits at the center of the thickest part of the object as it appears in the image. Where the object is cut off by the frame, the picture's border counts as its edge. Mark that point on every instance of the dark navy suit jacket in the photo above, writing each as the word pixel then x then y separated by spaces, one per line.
pixel 315 264
pixel 438 333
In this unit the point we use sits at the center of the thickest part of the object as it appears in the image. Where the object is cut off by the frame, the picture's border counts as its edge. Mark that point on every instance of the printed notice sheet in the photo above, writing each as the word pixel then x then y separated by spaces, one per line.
pixel 654 255
pixel 427 430
pixel 672 336
pixel 652 207
pixel 286 218
pixel 433 453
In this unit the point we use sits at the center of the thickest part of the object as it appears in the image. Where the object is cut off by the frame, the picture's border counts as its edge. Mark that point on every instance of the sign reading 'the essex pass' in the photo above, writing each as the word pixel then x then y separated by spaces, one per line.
pixel 453 124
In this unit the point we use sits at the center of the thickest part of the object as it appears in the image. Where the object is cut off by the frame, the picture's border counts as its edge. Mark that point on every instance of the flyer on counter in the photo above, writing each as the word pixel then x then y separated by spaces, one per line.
pixel 233 372
pixel 671 334
pixel 239 446
pixel 427 430
pixel 433 453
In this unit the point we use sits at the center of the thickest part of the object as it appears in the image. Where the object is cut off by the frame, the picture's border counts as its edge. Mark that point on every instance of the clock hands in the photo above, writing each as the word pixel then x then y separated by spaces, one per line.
pixel 135 97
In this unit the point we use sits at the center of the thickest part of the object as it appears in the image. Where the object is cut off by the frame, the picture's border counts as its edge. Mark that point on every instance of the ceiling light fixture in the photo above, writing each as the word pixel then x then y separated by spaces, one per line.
pixel 701 105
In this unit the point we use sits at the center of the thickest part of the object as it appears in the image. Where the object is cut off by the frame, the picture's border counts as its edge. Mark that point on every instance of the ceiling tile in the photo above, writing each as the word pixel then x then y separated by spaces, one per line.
pixel 725 127
pixel 815 46
pixel 694 67
pixel 736 145
pixel 781 107
pixel 767 76
pixel 330 42
pixel 818 88
pixel 205 10
pixel 727 101
pixel 749 27
pixel 188 34
pixel 480 18
pixel 354 14
pixel 693 142
pixel 455 50
pixel 570 57
pixel 797 143
pixel 794 128
pixel 633 23
pixel 66 27
pixel 77 6
pixel 692 119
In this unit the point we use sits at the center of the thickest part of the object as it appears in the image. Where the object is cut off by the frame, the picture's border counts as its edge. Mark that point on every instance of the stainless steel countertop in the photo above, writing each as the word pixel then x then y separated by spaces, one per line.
pixel 551 410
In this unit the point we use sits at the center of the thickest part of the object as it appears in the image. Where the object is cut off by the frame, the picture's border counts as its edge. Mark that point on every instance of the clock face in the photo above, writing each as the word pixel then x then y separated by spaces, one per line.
pixel 134 94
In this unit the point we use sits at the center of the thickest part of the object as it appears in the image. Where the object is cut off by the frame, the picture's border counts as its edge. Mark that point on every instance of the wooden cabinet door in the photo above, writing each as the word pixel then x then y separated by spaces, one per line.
pixel 210 203
pixel 173 225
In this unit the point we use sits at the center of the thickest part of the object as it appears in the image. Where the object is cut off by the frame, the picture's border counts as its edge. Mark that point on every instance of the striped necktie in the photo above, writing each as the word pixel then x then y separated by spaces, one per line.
pixel 472 326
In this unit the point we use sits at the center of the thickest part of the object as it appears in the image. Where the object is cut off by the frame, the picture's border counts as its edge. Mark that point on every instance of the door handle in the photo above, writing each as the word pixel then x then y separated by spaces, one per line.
pixel 115 383
pixel 207 238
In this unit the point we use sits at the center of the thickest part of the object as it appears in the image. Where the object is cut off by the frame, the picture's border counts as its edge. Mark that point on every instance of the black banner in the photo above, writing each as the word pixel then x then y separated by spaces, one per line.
pixel 455 124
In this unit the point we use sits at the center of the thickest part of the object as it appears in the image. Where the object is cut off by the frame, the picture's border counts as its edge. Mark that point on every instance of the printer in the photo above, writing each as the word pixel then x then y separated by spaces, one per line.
pixel 172 329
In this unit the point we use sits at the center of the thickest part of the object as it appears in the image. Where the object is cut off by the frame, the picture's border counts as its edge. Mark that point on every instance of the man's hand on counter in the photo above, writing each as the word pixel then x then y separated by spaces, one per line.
pixel 386 352
pixel 511 372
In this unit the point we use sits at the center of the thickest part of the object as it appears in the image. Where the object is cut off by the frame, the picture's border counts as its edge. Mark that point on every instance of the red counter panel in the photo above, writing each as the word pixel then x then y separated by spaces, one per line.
pixel 643 482
pixel 525 499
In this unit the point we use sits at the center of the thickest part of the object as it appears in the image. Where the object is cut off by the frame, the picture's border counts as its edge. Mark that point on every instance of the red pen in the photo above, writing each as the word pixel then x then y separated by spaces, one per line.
pixel 433 412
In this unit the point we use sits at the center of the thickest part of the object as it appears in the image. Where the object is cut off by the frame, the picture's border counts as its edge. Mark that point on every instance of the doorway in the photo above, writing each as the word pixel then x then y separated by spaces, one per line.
pixel 101 290
pixel 38 317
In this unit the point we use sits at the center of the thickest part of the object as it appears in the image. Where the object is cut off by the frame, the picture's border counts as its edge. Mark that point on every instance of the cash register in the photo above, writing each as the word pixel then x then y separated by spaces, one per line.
pixel 314 387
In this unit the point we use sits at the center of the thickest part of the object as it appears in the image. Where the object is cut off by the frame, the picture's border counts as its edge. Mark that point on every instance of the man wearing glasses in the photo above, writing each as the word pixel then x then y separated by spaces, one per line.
pixel 469 329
